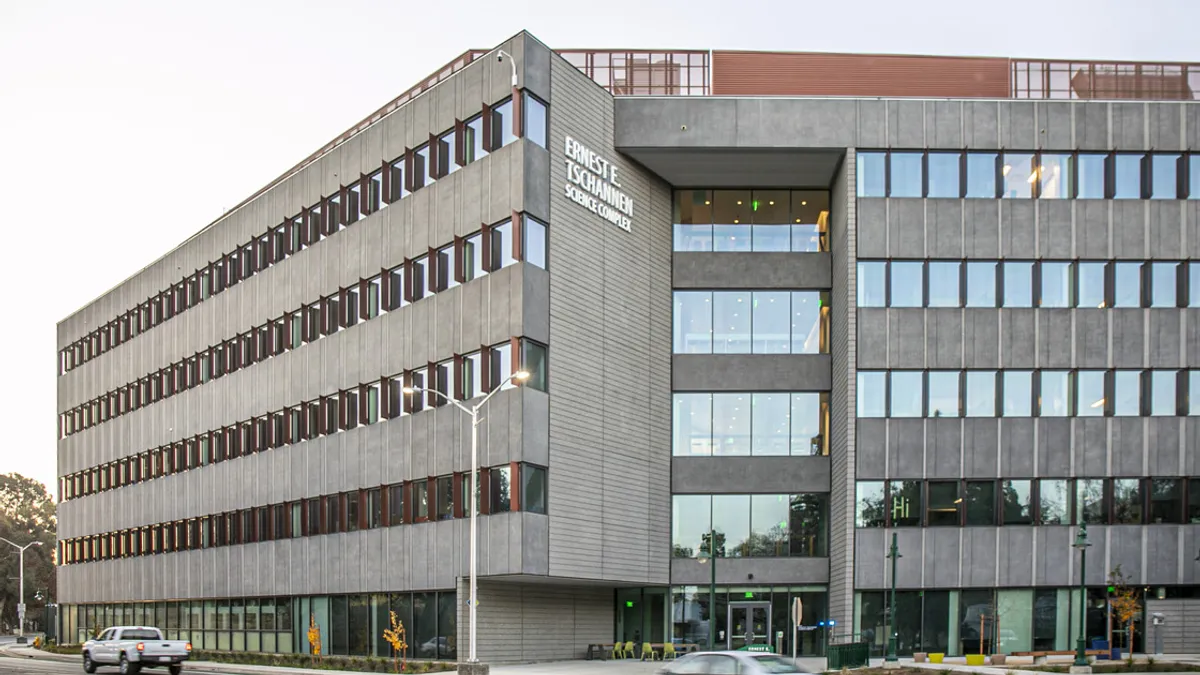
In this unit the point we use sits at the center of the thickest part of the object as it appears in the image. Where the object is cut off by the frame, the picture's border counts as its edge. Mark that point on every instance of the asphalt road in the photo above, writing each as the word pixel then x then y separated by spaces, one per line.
pixel 40 667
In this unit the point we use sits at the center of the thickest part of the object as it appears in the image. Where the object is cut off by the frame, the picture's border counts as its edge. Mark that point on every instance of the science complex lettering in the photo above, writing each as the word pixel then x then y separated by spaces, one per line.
pixel 592 183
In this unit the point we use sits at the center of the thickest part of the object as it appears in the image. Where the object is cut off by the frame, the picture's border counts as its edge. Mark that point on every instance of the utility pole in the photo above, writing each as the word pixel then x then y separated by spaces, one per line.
pixel 892 661
pixel 21 592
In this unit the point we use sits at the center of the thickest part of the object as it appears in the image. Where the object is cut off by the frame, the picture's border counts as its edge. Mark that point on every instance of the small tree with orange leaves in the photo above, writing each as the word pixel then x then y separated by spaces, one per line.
pixel 395 637
pixel 1125 604
pixel 314 637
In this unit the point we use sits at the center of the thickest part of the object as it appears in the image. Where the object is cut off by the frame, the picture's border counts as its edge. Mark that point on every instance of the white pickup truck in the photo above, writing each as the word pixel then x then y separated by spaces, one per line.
pixel 132 648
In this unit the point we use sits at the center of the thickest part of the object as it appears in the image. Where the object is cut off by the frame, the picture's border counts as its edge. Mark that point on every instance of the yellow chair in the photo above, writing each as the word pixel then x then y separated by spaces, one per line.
pixel 668 651
pixel 629 650
pixel 649 653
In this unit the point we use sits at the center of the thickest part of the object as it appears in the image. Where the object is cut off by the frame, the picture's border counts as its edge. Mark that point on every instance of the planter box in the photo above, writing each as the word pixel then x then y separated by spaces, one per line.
pixel 919 657
pixel 999 659
pixel 975 659
pixel 937 657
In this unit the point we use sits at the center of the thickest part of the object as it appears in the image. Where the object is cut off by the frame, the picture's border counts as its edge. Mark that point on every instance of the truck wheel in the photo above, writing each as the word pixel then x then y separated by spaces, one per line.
pixel 128 668
pixel 88 666
pixel 175 670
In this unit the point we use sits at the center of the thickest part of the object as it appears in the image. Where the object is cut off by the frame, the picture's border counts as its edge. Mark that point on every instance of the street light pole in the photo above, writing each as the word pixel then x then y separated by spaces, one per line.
pixel 892 661
pixel 711 559
pixel 1082 543
pixel 473 412
pixel 21 591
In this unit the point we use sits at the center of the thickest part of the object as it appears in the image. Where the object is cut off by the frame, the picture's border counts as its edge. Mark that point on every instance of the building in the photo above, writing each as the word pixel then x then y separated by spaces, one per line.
pixel 791 303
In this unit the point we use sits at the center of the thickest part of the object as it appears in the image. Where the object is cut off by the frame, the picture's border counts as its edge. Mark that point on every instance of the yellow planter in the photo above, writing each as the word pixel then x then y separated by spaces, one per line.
pixel 936 657
pixel 975 659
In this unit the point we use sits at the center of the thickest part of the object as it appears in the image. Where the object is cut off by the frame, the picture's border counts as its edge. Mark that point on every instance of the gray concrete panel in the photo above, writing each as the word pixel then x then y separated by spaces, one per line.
pixel 982 233
pixel 750 372
pixel 1129 240
pixel 754 571
pixel 944 558
pixel 742 475
pixel 1018 228
pixel 1192 354
pixel 906 124
pixel 1018 124
pixel 1056 228
pixel 1166 230
pixel 1192 123
pixel 1190 452
pixel 872 228
pixel 906 338
pixel 1053 326
pixel 1091 338
pixel 1017 333
pixel 1125 548
pixel 906 448
pixel 944 338
pixel 1091 229
pixel 1162 561
pixel 1017 438
pixel 873 337
pixel 906 228
pixel 870 547
pixel 1055 125
pixel 791 271
pixel 980 447
pixel 872 129
pixel 980 557
pixel 981 120
pixel 1128 337
pixel 944 227
pixel 943 448
pixel 944 124
pixel 1089 454
pixel 981 338
pixel 1165 332
pixel 1161 452
pixel 1015 559
pixel 1055 562
pixel 1128 125
pixel 1091 126
pixel 872 449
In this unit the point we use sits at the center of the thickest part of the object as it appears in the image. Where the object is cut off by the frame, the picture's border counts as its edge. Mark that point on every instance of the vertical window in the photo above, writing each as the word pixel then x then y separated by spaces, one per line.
pixel 1193 394
pixel 535 120
pixel 353 204
pixel 1054 501
pixel 691 524
pixel 810 219
pixel 1090 291
pixel 809 412
pixel 981 175
pixel 732 317
pixel 942 504
pixel 472 384
pixel 1127 501
pixel 394 279
pixel 944 174
pixel 871 391
pixel 374 192
pixel 943 393
pixel 1127 278
pixel 1089 393
pixel 1089 502
pixel 533 489
pixel 769 217
pixel 770 426
pixel 500 478
pixel 907 393
pixel 691 425
pixel 731 424
pixel 1016 502
pixel 1164 280
pixel 693 329
pixel 981 284
pixel 420 495
pixel 981 393
pixel 473 257
pixel 502 127
pixel 534 246
pixel 1127 176
pixel 1019 175
pixel 1166 500
pixel 421 168
pixel 943 284
pixel 906 175
pixel 872 174
pixel 395 177
pixel 1162 393
pixel 502 245
pixel 1090 172
pixel 1018 393
pixel 395 504
pixel 1018 284
pixel 447 156
pixel 1127 393
pixel 872 284
pixel 731 221
pixel 870 508
pixel 770 321
pixel 419 278
pixel 500 360
pixel 445 498
pixel 907 284
pixel 447 276
pixel 1056 285
pixel 533 361
pixel 473 139
pixel 1164 181
pixel 1054 176
pixel 373 288
pixel 1053 400
pixel 905 506
pixel 1193 173
pixel 693 221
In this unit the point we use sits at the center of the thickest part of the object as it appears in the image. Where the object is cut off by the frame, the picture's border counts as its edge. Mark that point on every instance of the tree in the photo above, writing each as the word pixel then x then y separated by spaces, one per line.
pixel 26 515
pixel 395 637
pixel 1125 603
pixel 314 637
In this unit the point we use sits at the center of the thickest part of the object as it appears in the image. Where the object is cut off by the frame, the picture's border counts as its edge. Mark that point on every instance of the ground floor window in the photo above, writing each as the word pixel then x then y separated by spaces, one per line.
pixel 351 625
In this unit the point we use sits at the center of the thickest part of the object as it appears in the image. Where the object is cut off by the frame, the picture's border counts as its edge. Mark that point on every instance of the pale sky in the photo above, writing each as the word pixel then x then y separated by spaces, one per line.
pixel 129 126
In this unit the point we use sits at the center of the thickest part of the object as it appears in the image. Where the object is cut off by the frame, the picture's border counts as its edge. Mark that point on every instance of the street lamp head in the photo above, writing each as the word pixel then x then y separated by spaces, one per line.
pixel 37 543
pixel 409 391
pixel 702 557
pixel 521 375
pixel 1081 539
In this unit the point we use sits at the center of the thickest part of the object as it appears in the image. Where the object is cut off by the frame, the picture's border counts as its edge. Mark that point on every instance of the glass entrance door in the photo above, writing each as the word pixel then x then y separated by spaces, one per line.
pixel 749 624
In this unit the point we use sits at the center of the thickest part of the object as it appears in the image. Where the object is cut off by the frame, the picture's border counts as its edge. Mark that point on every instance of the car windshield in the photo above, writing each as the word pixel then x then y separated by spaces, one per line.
pixel 771 663
pixel 144 634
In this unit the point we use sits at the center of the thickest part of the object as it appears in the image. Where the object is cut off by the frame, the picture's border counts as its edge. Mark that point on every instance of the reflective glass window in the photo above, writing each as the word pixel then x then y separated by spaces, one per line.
pixel 502 245
pixel 1166 500
pixel 872 393
pixel 1193 272
pixel 980 503
pixel 691 425
pixel 732 317
pixel 1089 501
pixel 943 283
pixel 1089 393
pixel 906 174
pixel 1194 176
pixel 907 393
pixel 871 174
pixel 1091 284
pixel 981 393
pixel 907 284
pixel 1018 393
pixel 944 174
pixel 420 278
pixel 771 425
pixel 981 284
pixel 810 322
pixel 808 410
pixel 1054 177
pixel 943 393
pixel 693 329
pixel 1162 393
pixel 693 220
pixel 1090 170
pixel 1018 284
pixel 1127 284
pixel 731 518
pixel 1127 501
pixel 810 219
pixel 1016 502
pixel 447 278
pixel 872 284
pixel 1193 392
pixel 731 424
pixel 447 162
pixel 473 139
pixel 769 213
pixel 1193 514
pixel 1054 502
pixel 769 517
pixel 534 232
pixel 535 119
pixel 942 504
pixel 1164 280
pixel 808 525
pixel 691 520
pixel 502 125
pixel 1127 393
pixel 1164 181
pixel 731 220
pixel 473 257
pixel 1018 174
pixel 981 175
pixel 1127 176
pixel 422 174
pixel 1054 398
pixel 906 501
pixel 1056 285
pixel 771 322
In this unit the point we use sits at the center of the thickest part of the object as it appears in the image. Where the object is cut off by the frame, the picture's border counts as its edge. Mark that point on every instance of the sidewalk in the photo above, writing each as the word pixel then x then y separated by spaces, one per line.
pixel 1014 664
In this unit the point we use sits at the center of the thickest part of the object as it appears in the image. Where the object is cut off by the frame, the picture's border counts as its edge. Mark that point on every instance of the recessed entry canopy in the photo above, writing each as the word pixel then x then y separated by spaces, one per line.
pixel 739 167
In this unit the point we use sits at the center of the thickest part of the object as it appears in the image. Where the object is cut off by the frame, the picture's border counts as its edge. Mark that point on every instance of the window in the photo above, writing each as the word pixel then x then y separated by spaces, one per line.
pixel 770 426
pixel 905 508
pixel 1166 500
pixel 869 509
pixel 447 154
pixel 395 504
pixel 473 257
pixel 473 146
pixel 1090 291
pixel 1127 501
pixel 502 245
pixel 907 393
pixel 1162 393
pixel 1053 400
pixel 871 391
pixel 1016 502
pixel 905 174
pixel 1127 176
pixel 472 373
pixel 374 194
pixel 1090 176
pixel 942 509
pixel 533 489
pixel 981 284
pixel 731 424
pixel 691 425
pixel 769 215
pixel 1193 393
pixel 500 493
pixel 809 218
pixel 693 229
pixel 943 284
pixel 943 393
pixel 1056 285
pixel 500 360
pixel 445 497
pixel 980 502
pixel 1089 502
pixel 1163 176
pixel 907 284
pixel 807 518
pixel 443 378
pixel 1193 514
pixel 534 232
pixel 731 221
pixel 1127 280
pixel 533 361
pixel 1089 393
pixel 981 175
pixel 1127 393
pixel 421 169
pixel 535 119
pixel 731 517
pixel 419 277
pixel 769 320
pixel 741 322
pixel 1018 393
pixel 872 288
pixel 447 274
pixel 1164 280
pixel 769 520
pixel 1193 173
pixel 1019 175
pixel 731 322
pixel 1018 284
pixel 352 514
pixel 502 126
pixel 1053 502
pixel 691 523
pixel 420 492
pixel 809 419
pixel 872 174
pixel 944 174
pixel 1054 176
